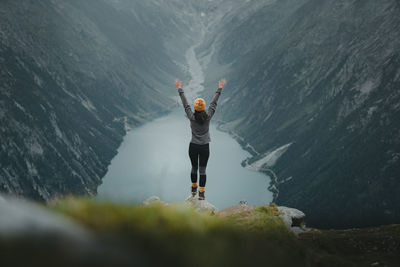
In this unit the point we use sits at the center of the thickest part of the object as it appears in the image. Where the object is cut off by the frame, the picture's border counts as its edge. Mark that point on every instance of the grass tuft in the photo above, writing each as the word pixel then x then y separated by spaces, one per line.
pixel 179 234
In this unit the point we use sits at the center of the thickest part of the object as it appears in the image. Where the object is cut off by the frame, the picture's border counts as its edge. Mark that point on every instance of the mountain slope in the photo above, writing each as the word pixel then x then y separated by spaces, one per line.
pixel 312 92
pixel 321 77
pixel 73 74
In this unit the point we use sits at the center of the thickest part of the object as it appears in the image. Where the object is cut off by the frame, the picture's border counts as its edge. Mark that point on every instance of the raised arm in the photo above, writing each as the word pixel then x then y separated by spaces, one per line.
pixel 213 104
pixel 186 106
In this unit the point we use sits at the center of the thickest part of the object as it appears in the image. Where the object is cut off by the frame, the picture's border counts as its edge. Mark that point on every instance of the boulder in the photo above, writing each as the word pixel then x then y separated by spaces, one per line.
pixel 153 200
pixel 294 219
pixel 20 217
pixel 243 203
pixel 244 211
pixel 201 205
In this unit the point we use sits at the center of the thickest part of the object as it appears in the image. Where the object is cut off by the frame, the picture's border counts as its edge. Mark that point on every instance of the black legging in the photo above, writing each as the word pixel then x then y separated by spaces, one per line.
pixel 199 153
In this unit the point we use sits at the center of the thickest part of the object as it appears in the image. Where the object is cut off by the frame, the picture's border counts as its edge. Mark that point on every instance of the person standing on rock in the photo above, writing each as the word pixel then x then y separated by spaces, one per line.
pixel 199 149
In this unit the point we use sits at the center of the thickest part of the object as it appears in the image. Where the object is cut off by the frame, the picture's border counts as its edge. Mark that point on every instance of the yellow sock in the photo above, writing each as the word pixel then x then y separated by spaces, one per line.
pixel 194 184
pixel 202 188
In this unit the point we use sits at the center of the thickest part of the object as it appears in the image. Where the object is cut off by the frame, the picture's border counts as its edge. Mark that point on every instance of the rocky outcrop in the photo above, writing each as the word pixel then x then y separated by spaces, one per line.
pixel 294 219
pixel 291 217
pixel 192 201
pixel 244 211
pixel 201 205
pixel 153 200
pixel 20 218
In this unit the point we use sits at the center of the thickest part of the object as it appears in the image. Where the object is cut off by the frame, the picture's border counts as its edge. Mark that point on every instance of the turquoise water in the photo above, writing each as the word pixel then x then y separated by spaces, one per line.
pixel 153 161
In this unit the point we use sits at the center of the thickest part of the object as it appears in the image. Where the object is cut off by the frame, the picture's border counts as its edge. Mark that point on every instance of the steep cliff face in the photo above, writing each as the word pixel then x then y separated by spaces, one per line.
pixel 321 80
pixel 73 73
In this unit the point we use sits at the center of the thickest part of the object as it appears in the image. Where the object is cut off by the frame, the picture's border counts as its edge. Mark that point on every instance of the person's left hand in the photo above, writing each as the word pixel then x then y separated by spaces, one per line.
pixel 221 83
pixel 178 83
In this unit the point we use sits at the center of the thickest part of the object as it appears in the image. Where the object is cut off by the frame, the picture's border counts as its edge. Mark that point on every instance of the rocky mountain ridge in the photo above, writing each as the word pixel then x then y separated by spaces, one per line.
pixel 74 76
pixel 320 79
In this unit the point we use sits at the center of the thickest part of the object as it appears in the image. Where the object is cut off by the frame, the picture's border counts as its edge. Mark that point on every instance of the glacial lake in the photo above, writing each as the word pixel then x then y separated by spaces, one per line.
pixel 153 161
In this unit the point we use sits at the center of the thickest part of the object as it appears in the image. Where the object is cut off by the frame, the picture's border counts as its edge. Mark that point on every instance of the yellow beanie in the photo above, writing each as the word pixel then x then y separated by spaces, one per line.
pixel 199 104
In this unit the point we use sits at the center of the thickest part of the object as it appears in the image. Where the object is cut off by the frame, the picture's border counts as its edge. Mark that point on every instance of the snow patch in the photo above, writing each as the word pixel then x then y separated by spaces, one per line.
pixel 37 80
pixel 31 168
pixel 77 140
pixel 286 180
pixel 195 85
pixel 19 106
pixel 371 110
pixel 55 125
pixel 207 59
pixel 62 85
pixel 35 148
pixel 228 126
pixel 268 116
pixel 64 138
pixel 367 87
pixel 88 104
pixel 269 159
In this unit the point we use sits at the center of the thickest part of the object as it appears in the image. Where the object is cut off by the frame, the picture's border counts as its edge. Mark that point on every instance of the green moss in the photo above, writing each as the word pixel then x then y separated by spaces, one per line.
pixel 179 234
pixel 103 216
pixel 263 220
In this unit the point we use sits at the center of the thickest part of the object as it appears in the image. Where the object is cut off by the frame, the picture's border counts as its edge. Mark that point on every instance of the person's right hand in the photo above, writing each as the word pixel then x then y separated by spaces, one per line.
pixel 178 83
pixel 221 83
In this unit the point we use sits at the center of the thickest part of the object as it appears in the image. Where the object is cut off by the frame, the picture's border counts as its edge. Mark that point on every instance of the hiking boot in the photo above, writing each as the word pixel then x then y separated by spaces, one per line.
pixel 194 191
pixel 201 195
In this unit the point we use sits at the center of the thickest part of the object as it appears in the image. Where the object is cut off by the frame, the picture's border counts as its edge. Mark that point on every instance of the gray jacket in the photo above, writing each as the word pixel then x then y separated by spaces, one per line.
pixel 200 132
